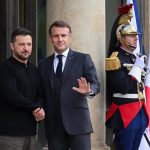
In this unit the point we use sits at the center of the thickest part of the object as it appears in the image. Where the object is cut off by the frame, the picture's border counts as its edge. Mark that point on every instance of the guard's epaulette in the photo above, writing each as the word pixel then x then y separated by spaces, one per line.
pixel 113 62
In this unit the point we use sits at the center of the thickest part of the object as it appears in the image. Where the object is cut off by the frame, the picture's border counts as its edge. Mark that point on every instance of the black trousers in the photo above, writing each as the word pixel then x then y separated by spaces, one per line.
pixel 63 141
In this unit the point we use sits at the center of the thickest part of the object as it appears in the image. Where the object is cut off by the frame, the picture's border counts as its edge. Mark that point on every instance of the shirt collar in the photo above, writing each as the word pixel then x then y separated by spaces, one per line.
pixel 65 53
pixel 126 51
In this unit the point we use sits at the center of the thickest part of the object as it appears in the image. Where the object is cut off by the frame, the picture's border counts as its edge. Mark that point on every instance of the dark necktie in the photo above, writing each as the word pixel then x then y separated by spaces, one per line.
pixel 59 66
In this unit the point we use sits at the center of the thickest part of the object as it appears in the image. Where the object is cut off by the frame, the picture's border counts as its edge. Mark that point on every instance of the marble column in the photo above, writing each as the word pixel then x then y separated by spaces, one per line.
pixel 87 19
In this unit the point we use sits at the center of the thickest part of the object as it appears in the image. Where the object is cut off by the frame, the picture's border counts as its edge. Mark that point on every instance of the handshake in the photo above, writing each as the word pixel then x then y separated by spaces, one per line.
pixel 39 114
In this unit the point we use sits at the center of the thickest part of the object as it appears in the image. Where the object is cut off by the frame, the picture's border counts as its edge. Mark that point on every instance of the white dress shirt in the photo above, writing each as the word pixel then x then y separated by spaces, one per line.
pixel 64 58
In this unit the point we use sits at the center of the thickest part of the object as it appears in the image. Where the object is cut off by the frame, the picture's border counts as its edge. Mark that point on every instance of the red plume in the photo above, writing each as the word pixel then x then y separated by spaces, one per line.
pixel 124 9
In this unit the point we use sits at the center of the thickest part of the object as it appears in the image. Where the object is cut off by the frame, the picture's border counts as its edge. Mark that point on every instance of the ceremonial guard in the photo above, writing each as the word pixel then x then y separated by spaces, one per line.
pixel 125 70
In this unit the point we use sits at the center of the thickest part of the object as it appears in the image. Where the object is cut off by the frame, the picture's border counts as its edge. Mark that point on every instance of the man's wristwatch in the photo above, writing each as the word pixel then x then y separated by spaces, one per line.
pixel 90 94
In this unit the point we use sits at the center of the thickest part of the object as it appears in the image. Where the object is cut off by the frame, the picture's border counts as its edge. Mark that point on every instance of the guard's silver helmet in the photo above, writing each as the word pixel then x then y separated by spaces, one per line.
pixel 126 29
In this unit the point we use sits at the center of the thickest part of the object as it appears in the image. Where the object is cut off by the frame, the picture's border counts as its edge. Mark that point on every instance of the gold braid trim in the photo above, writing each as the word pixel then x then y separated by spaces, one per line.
pixel 113 62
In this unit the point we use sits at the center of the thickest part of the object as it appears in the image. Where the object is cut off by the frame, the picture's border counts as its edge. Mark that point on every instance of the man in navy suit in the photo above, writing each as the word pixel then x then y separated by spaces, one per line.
pixel 65 90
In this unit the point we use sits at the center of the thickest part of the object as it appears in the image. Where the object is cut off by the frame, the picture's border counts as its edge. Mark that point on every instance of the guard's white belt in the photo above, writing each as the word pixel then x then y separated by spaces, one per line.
pixel 125 95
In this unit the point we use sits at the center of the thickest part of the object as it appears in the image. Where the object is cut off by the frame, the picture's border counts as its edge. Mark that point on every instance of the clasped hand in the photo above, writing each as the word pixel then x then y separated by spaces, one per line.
pixel 39 114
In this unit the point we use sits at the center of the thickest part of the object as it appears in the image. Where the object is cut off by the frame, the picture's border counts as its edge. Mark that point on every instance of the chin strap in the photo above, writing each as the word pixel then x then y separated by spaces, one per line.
pixel 128 45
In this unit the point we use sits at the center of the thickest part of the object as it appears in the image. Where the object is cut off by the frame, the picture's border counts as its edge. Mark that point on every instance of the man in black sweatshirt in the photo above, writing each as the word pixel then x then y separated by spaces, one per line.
pixel 20 97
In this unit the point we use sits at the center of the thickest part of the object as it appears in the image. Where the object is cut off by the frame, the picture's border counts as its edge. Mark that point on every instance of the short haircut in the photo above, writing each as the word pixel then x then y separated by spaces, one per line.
pixel 19 31
pixel 59 24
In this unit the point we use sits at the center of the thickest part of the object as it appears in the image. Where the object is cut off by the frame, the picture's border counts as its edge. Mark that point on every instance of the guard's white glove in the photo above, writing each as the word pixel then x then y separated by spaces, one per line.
pixel 137 68
pixel 140 61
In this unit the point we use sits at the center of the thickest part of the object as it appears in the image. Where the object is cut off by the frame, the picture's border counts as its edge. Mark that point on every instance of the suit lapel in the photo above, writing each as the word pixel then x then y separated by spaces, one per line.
pixel 50 70
pixel 69 61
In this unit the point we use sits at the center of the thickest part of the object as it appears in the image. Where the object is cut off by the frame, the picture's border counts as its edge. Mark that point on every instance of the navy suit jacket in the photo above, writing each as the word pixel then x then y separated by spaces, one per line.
pixel 74 106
